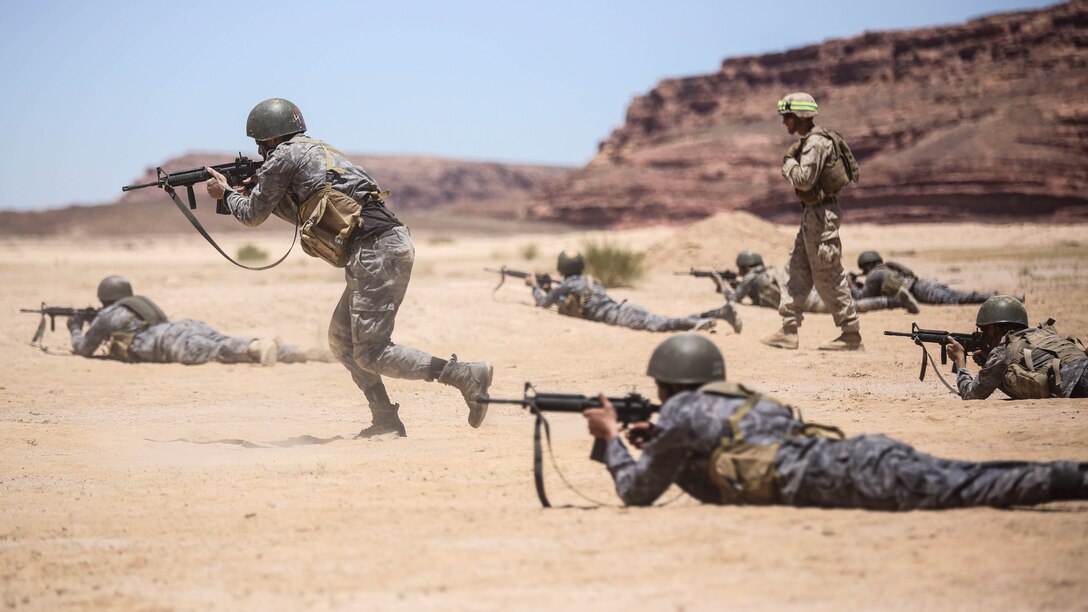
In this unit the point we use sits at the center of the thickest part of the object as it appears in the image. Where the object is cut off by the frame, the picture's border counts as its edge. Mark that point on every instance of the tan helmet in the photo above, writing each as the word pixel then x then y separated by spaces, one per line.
pixel 798 103
pixel 273 118
pixel 113 288
pixel 686 359
pixel 571 262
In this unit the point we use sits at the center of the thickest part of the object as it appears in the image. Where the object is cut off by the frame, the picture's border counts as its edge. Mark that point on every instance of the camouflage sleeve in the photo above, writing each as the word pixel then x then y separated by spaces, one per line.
pixel 874 281
pixel 989 377
pixel 109 320
pixel 273 180
pixel 545 300
pixel 745 288
pixel 663 458
pixel 803 174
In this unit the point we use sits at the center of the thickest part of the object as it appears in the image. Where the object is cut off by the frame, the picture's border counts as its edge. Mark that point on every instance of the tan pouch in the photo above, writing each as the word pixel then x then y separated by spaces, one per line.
pixel 328 218
pixel 1021 383
pixel 745 472
pixel 121 345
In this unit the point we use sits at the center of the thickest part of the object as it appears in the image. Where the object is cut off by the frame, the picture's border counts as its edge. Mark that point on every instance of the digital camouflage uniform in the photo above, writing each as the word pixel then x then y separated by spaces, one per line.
pixel 816 258
pixel 886 277
pixel 870 471
pixel 377 272
pixel 596 305
pixel 1062 367
pixel 186 341
pixel 762 286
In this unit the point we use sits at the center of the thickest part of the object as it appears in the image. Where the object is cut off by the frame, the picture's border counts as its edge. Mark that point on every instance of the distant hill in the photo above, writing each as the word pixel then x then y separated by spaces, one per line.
pixel 988 118
pixel 419 185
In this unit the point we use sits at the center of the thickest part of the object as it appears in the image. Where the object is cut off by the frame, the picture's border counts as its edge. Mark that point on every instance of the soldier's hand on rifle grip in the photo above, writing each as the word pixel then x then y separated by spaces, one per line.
pixel 530 281
pixel 957 353
pixel 638 434
pixel 248 185
pixel 602 421
pixel 217 185
pixel 718 281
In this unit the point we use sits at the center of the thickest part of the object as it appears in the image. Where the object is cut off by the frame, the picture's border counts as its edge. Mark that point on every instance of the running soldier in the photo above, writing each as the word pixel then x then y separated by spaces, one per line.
pixel 818 166
pixel 888 278
pixel 724 443
pixel 761 285
pixel 1024 362
pixel 134 329
pixel 343 220
pixel 582 296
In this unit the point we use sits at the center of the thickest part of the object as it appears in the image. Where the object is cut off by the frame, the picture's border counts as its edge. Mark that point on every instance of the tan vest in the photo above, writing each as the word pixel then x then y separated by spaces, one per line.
pixel 745 472
pixel 120 342
pixel 1039 352
pixel 833 176
pixel 573 304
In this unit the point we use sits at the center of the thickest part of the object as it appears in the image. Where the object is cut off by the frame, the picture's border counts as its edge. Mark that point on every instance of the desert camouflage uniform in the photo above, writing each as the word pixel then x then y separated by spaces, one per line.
pixel 883 277
pixel 377 273
pixel 816 258
pixel 762 286
pixel 1074 373
pixel 872 472
pixel 186 341
pixel 598 306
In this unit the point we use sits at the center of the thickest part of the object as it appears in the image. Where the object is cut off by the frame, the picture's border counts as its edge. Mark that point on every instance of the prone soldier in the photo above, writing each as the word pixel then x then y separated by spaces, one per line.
pixel 1024 362
pixel 135 329
pixel 725 443
pixel 889 278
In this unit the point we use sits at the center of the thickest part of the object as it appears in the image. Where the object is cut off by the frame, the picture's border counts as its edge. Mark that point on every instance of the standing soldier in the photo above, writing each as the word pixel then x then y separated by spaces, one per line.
pixel 343 220
pixel 818 166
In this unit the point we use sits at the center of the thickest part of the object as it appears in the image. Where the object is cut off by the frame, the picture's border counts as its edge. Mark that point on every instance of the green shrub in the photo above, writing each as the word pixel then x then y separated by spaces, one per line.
pixel 613 265
pixel 440 239
pixel 529 251
pixel 249 252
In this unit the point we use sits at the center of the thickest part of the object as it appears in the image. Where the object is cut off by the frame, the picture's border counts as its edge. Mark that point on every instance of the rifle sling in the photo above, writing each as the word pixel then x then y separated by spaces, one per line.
pixel 937 370
pixel 538 456
pixel 200 228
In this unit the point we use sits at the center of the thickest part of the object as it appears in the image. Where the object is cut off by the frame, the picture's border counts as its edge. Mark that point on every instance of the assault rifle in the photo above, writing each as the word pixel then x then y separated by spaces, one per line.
pixel 728 276
pixel 236 172
pixel 543 280
pixel 631 408
pixel 57 311
pixel 971 343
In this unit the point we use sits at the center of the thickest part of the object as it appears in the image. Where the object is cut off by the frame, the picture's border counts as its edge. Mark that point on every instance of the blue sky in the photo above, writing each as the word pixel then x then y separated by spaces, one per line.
pixel 95 92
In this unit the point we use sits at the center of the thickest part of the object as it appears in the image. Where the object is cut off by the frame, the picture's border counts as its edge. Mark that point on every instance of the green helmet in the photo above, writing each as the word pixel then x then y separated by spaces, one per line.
pixel 1002 309
pixel 113 288
pixel 686 359
pixel 273 118
pixel 798 103
pixel 571 262
pixel 869 257
pixel 747 259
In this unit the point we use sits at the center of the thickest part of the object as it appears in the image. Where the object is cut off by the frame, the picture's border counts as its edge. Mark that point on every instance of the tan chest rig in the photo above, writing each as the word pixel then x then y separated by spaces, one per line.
pixel 328 218
pixel 120 342
pixel 573 304
pixel 769 292
pixel 1023 379
pixel 839 170
pixel 744 471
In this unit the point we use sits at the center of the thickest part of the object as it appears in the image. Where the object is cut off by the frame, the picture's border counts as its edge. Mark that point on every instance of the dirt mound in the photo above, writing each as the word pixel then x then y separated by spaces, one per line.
pixel 715 242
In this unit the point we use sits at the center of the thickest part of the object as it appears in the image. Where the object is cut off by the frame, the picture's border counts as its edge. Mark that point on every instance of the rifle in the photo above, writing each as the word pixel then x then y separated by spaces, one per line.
pixel 543 280
pixel 57 311
pixel 728 276
pixel 971 343
pixel 630 408
pixel 236 172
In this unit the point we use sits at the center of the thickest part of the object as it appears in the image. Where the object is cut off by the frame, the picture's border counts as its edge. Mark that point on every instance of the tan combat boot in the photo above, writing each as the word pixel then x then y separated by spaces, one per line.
pixel 472 379
pixel 785 338
pixel 847 341
pixel 263 351
pixel 903 299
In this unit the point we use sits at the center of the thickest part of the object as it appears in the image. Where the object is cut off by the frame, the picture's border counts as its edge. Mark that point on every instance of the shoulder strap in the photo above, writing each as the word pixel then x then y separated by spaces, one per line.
pixel 143 308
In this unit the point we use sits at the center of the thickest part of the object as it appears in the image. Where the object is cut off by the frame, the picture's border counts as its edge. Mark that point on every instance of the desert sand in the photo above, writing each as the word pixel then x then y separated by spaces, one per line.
pixel 100 510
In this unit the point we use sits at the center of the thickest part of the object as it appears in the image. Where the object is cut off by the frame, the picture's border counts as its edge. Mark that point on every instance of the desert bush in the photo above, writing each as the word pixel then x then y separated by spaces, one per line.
pixel 441 239
pixel 250 252
pixel 612 264
pixel 529 251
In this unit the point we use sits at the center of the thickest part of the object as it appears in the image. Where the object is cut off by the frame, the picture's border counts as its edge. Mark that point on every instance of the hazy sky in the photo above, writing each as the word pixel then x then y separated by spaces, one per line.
pixel 95 92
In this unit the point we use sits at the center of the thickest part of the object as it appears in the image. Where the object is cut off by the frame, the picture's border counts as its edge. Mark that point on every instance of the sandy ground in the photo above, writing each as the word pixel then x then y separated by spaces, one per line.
pixel 97 512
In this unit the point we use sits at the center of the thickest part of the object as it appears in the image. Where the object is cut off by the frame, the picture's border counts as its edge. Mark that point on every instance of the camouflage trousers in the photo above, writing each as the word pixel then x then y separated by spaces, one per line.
pixel 194 342
pixel 816 305
pixel 932 291
pixel 627 314
pixel 816 261
pixel 361 330
pixel 879 473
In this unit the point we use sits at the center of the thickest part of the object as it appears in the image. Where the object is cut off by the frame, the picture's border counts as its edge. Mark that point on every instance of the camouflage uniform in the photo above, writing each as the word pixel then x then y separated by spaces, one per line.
pixel 1072 380
pixel 187 341
pixel 886 277
pixel 598 306
pixel 762 286
pixel 377 272
pixel 816 258
pixel 872 472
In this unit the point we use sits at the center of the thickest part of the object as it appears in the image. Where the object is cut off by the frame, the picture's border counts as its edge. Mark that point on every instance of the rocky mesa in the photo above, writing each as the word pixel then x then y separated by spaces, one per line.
pixel 984 119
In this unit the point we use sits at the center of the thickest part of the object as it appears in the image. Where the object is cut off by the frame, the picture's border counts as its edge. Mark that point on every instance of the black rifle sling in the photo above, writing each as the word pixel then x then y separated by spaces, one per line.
pixel 538 456
pixel 927 357
pixel 200 228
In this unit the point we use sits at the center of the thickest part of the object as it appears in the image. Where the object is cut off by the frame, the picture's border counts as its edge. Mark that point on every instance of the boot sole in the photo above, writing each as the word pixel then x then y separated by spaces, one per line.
pixel 477 411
